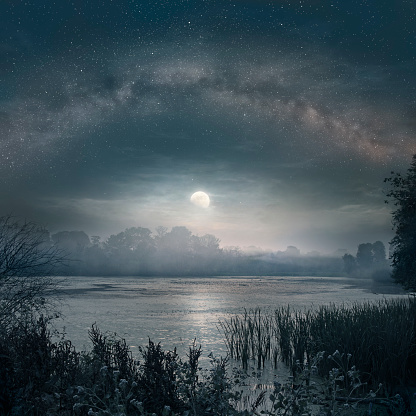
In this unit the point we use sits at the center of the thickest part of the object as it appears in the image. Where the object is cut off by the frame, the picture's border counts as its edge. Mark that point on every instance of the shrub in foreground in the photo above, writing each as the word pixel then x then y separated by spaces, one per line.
pixel 40 376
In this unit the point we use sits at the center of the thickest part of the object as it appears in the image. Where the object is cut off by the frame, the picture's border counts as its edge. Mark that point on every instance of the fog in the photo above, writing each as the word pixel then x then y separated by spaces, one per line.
pixel 178 252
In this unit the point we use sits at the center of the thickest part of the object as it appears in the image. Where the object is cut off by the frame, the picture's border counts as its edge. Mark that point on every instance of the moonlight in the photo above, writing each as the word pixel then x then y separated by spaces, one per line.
pixel 200 199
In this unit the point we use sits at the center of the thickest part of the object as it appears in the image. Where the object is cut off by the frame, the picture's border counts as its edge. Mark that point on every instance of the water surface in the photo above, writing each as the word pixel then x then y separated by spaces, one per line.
pixel 175 311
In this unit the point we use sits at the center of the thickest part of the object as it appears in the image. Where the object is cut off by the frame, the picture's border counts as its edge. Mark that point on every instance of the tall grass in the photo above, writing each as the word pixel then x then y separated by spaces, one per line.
pixel 249 336
pixel 379 336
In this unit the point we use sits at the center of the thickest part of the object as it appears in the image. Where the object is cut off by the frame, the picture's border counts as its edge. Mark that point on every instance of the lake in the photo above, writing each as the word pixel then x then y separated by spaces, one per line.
pixel 174 311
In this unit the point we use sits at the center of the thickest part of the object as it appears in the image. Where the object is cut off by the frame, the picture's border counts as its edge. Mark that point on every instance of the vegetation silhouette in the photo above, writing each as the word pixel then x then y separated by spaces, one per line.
pixel 370 261
pixel 137 251
pixel 403 195
pixel 28 261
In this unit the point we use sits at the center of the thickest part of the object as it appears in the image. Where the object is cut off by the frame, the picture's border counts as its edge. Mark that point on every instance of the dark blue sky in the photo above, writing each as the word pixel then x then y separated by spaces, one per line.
pixel 289 114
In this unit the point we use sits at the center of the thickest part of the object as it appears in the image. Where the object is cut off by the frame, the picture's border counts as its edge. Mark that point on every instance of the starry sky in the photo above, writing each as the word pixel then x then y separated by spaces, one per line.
pixel 288 114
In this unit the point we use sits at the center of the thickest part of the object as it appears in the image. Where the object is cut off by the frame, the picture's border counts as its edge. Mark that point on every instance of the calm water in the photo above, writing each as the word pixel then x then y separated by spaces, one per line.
pixel 175 311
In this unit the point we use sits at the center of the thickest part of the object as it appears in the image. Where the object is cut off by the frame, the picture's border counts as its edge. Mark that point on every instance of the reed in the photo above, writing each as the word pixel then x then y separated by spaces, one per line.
pixel 249 336
pixel 379 338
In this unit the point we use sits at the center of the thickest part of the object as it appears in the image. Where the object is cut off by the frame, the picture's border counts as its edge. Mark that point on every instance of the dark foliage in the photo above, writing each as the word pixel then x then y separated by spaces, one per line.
pixel 370 261
pixel 158 379
pixel 39 376
pixel 112 352
pixel 28 366
pixel 137 251
pixel 403 194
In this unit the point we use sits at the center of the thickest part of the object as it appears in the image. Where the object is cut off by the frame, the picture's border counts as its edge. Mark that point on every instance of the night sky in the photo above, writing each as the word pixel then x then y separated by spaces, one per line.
pixel 288 114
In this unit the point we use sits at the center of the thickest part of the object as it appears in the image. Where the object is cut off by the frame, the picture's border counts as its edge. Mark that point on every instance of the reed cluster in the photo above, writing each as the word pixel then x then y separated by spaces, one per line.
pixel 380 338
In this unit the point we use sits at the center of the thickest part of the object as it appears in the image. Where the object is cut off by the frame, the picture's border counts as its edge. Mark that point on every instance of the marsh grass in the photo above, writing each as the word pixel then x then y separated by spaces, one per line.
pixel 40 376
pixel 379 337
pixel 249 336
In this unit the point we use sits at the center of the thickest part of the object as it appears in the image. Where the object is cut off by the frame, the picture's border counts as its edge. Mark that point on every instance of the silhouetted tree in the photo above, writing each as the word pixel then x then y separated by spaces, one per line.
pixel 95 261
pixel 130 240
pixel 365 255
pixel 379 254
pixel 403 194
pixel 350 265
pixel 160 236
pixel 179 239
pixel 72 241
pixel 129 250
pixel 370 261
pixel 292 251
pixel 175 250
pixel 207 244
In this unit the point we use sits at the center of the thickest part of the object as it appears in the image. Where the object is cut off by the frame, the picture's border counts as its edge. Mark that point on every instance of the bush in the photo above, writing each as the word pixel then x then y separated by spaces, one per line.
pixel 39 376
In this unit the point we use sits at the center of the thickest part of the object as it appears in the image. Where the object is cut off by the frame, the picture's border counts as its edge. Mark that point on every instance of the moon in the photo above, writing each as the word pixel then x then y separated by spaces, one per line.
pixel 200 199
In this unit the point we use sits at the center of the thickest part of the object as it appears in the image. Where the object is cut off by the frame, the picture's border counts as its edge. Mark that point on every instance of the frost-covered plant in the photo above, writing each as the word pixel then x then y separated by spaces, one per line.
pixel 344 385
pixel 163 385
pixel 340 393
pixel 298 396
pixel 51 378
pixel 213 391
pixel 110 395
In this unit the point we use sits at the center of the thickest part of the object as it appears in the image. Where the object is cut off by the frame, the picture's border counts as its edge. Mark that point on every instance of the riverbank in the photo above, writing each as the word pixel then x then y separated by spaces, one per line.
pixel 39 376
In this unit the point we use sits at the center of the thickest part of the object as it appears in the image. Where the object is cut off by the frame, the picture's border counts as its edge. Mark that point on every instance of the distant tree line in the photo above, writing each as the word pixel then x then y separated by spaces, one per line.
pixel 136 251
pixel 139 251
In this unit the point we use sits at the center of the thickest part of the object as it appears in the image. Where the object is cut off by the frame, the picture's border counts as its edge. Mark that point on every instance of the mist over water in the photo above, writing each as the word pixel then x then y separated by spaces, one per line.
pixel 175 311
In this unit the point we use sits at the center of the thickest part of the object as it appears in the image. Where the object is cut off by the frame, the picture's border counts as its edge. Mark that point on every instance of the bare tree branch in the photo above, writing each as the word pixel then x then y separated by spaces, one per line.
pixel 28 260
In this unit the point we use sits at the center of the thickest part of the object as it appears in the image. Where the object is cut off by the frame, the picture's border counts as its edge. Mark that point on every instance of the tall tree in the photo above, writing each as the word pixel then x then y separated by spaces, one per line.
pixel 403 194
pixel 129 251
pixel 73 242
pixel 379 254
pixel 134 239
pixel 350 265
pixel 365 255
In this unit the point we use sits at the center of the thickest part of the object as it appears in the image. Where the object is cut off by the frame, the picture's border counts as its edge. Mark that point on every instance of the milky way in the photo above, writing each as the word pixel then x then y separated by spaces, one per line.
pixel 290 115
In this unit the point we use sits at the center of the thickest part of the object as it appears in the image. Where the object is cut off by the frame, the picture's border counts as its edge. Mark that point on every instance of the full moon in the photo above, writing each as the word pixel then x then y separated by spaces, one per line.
pixel 200 199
